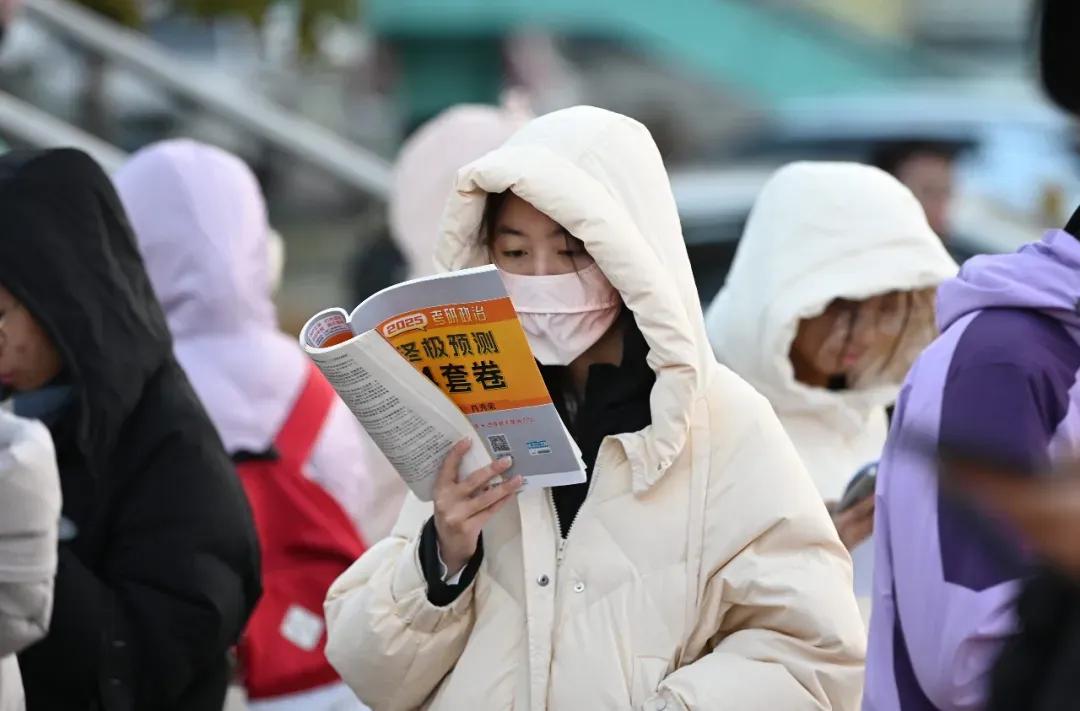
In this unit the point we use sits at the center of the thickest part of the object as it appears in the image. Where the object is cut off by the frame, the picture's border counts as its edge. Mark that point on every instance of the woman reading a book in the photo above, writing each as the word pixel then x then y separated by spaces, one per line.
pixel 695 569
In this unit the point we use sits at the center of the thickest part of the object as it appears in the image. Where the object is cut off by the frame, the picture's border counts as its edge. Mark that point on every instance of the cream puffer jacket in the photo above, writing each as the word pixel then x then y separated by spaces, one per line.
pixel 702 571
pixel 29 520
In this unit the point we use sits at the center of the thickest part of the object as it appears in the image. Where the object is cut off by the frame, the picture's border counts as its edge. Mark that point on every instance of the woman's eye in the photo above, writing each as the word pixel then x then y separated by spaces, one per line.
pixel 513 253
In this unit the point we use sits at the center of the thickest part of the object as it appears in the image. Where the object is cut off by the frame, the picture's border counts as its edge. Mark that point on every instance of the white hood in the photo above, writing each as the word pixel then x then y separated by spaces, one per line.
pixel 202 226
pixel 819 232
pixel 600 176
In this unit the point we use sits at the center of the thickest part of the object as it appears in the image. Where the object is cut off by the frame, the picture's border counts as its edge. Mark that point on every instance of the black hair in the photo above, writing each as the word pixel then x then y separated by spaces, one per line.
pixel 891 155
pixel 1058 25
pixel 1073 225
pixel 492 208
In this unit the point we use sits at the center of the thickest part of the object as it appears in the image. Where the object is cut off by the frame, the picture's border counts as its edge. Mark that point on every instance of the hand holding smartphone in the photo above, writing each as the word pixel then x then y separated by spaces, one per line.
pixel 853 514
pixel 861 486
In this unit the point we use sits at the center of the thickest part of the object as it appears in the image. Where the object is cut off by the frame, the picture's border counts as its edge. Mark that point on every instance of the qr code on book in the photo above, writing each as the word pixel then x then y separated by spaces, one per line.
pixel 499 444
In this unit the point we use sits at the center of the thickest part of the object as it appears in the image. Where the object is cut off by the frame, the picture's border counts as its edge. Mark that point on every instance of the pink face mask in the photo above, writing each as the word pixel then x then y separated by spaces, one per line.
pixel 563 314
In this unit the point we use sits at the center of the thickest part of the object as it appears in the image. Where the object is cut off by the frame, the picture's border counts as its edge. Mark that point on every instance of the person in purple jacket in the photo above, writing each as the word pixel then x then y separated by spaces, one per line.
pixel 1002 380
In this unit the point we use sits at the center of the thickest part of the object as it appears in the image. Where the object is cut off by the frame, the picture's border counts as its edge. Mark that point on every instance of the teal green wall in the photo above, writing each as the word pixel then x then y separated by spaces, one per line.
pixel 766 54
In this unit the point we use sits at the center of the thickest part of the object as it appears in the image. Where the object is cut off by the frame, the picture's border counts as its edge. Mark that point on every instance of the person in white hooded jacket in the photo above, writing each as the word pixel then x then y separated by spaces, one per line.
pixel 29 518
pixel 696 569
pixel 829 301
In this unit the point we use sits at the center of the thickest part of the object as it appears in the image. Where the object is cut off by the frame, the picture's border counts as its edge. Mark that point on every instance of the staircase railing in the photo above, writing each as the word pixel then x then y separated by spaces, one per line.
pixel 284 130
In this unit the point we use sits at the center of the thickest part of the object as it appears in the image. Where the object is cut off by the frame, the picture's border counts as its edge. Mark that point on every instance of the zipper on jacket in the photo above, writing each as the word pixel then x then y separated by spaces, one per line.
pixel 558 529
pixel 560 552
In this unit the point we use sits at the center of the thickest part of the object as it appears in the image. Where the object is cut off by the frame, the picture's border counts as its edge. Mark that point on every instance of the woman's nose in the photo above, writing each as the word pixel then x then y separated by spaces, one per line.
pixel 866 332
pixel 543 265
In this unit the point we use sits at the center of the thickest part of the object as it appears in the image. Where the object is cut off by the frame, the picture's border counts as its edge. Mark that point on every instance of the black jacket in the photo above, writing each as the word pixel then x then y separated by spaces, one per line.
pixel 160 570
pixel 1038 668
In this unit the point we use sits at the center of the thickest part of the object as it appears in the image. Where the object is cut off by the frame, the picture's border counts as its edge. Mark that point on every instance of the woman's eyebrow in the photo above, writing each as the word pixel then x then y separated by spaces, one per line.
pixel 559 231
pixel 508 230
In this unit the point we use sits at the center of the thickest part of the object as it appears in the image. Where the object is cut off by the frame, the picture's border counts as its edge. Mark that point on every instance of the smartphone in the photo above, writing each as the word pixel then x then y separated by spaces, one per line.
pixel 860 486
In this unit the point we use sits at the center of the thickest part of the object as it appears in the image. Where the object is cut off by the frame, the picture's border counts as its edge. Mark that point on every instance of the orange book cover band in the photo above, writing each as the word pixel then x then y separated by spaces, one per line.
pixel 476 353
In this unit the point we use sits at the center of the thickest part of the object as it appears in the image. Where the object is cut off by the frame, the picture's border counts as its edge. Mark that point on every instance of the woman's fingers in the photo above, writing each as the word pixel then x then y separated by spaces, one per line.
pixel 482 518
pixel 481 478
pixel 855 533
pixel 864 508
pixel 492 496
pixel 860 532
pixel 448 472
pixel 856 523
pixel 861 509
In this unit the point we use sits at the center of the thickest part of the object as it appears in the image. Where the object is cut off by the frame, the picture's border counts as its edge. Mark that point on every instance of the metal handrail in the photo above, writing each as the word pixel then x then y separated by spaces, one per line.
pixel 284 130
pixel 29 124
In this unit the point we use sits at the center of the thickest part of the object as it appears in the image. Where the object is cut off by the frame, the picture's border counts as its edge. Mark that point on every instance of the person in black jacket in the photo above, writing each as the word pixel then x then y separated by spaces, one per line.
pixel 158 560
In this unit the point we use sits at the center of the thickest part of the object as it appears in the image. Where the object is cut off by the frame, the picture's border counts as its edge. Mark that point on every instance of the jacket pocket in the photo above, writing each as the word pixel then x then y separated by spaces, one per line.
pixel 648 672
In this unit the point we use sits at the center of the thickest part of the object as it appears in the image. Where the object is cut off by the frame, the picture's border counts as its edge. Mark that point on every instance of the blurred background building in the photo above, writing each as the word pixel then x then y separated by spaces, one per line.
pixel 318 94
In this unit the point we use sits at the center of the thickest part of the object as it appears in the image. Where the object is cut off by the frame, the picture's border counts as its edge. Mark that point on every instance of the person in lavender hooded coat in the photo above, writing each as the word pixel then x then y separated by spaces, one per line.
pixel 1002 379
pixel 203 231
pixel 202 228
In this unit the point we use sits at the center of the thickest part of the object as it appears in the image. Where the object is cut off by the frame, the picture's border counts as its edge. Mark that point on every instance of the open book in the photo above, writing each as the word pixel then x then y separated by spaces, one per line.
pixel 428 362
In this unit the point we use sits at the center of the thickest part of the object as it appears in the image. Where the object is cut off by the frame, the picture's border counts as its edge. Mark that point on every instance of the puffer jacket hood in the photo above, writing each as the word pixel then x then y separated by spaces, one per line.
pixel 78 271
pixel 203 230
pixel 202 227
pixel 622 209
pixel 820 232
pixel 1005 281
